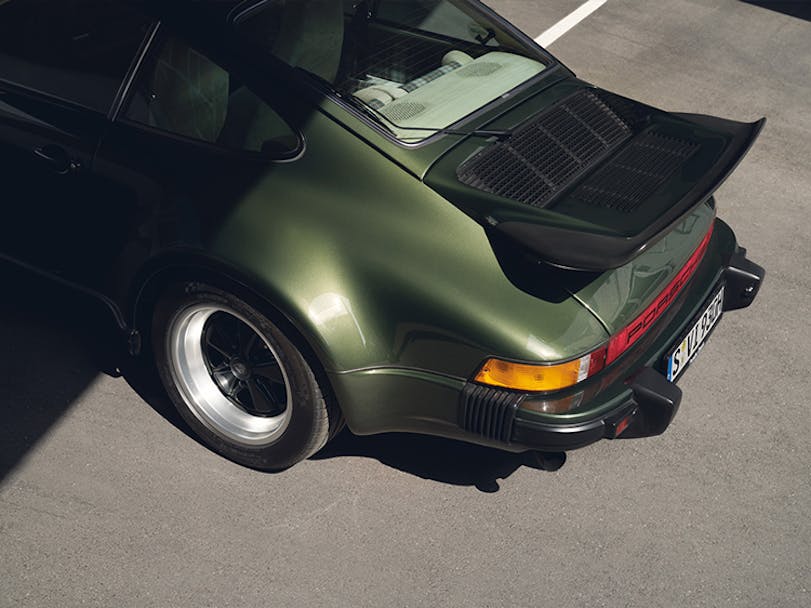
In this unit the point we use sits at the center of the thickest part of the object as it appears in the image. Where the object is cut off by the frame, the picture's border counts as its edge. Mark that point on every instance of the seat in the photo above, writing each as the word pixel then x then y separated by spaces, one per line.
pixel 311 36
pixel 253 125
pixel 308 34
pixel 189 93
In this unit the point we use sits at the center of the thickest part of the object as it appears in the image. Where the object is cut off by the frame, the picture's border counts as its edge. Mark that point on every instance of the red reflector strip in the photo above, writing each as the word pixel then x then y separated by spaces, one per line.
pixel 637 328
pixel 623 425
pixel 597 361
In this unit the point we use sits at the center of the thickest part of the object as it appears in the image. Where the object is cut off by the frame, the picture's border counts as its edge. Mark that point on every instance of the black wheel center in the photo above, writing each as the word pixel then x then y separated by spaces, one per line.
pixel 244 368
pixel 240 369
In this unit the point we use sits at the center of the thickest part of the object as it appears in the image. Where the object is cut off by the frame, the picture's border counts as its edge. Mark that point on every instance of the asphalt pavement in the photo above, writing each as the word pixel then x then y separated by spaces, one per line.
pixel 106 501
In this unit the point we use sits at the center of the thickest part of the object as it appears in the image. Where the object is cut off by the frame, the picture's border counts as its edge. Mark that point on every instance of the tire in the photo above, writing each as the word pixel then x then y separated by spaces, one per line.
pixel 238 381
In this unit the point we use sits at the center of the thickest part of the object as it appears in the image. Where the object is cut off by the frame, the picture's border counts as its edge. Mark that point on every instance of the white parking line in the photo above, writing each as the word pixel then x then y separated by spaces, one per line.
pixel 568 22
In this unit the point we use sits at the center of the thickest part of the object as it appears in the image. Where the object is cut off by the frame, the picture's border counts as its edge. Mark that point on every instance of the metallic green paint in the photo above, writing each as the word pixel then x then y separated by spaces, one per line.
pixel 415 401
pixel 380 271
pixel 366 246
pixel 649 351
pixel 399 293
pixel 616 297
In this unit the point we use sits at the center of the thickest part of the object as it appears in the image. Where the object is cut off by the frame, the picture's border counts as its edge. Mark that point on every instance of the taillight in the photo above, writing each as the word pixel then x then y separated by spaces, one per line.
pixel 622 341
pixel 541 377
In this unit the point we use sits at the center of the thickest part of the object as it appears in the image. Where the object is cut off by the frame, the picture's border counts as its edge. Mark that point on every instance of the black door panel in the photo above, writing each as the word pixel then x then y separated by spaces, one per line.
pixel 62 63
pixel 45 154
pixel 56 213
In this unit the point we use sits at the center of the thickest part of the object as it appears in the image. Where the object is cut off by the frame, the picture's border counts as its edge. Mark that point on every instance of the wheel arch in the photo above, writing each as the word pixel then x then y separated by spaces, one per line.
pixel 160 273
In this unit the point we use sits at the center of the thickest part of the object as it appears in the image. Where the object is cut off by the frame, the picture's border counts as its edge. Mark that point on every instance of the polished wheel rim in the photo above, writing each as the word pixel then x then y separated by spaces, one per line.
pixel 231 378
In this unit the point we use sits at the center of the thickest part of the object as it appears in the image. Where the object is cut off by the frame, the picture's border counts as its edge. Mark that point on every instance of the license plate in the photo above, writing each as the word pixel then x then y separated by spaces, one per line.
pixel 694 340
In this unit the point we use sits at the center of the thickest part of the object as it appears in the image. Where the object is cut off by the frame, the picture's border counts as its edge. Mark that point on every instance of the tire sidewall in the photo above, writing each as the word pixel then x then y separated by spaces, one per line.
pixel 307 428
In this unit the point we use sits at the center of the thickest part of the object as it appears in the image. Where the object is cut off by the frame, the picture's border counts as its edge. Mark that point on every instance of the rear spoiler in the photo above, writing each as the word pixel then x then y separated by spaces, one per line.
pixel 607 247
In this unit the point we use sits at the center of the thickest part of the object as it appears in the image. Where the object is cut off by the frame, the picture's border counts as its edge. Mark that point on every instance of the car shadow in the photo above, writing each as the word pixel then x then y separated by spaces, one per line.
pixel 434 458
pixel 56 343
pixel 51 353
pixel 439 459
pixel 796 8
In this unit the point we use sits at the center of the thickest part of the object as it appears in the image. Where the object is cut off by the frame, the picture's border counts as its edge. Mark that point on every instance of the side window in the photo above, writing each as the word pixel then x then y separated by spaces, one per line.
pixel 77 50
pixel 185 93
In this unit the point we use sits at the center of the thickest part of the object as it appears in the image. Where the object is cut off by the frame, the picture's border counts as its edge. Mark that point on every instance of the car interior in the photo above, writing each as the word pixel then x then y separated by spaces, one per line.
pixel 190 95
pixel 420 65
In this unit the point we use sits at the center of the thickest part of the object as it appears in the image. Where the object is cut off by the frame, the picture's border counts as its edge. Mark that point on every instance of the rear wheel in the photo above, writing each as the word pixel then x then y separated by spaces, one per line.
pixel 237 379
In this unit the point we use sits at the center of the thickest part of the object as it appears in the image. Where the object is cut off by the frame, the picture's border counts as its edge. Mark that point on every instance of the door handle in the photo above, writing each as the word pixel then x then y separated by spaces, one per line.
pixel 58 158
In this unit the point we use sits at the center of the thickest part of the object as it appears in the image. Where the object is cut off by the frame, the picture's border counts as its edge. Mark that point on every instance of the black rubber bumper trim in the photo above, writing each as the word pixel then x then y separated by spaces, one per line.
pixel 647 412
pixel 657 402
pixel 743 279
pixel 488 412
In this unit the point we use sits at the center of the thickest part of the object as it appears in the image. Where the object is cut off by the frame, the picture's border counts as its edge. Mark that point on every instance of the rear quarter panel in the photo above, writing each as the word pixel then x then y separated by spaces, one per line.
pixel 377 270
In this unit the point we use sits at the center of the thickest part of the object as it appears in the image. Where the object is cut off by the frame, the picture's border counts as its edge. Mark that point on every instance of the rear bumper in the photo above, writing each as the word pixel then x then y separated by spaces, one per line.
pixel 650 401
pixel 651 405
pixel 631 398
pixel 743 279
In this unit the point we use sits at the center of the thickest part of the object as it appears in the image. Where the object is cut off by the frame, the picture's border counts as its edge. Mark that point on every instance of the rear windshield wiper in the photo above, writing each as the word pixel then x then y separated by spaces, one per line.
pixel 498 134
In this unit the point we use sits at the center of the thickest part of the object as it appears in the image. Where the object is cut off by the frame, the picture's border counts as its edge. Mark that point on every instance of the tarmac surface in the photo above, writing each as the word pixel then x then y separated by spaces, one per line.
pixel 106 501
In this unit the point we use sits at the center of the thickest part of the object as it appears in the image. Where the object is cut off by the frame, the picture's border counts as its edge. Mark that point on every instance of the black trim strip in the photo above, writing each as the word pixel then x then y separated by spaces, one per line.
pixel 108 302
pixel 122 96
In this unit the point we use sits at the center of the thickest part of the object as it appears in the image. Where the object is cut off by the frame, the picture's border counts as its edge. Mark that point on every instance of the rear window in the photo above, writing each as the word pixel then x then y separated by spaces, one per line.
pixel 76 50
pixel 416 65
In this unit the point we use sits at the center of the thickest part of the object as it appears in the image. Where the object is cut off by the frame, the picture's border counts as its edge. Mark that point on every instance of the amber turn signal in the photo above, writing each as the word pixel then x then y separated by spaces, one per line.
pixel 538 378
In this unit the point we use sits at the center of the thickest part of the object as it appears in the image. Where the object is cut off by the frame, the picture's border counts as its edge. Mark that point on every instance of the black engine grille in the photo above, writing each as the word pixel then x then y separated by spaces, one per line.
pixel 544 155
pixel 488 412
pixel 636 172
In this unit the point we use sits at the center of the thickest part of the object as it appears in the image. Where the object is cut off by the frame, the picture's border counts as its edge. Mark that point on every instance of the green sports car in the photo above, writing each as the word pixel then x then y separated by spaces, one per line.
pixel 403 215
